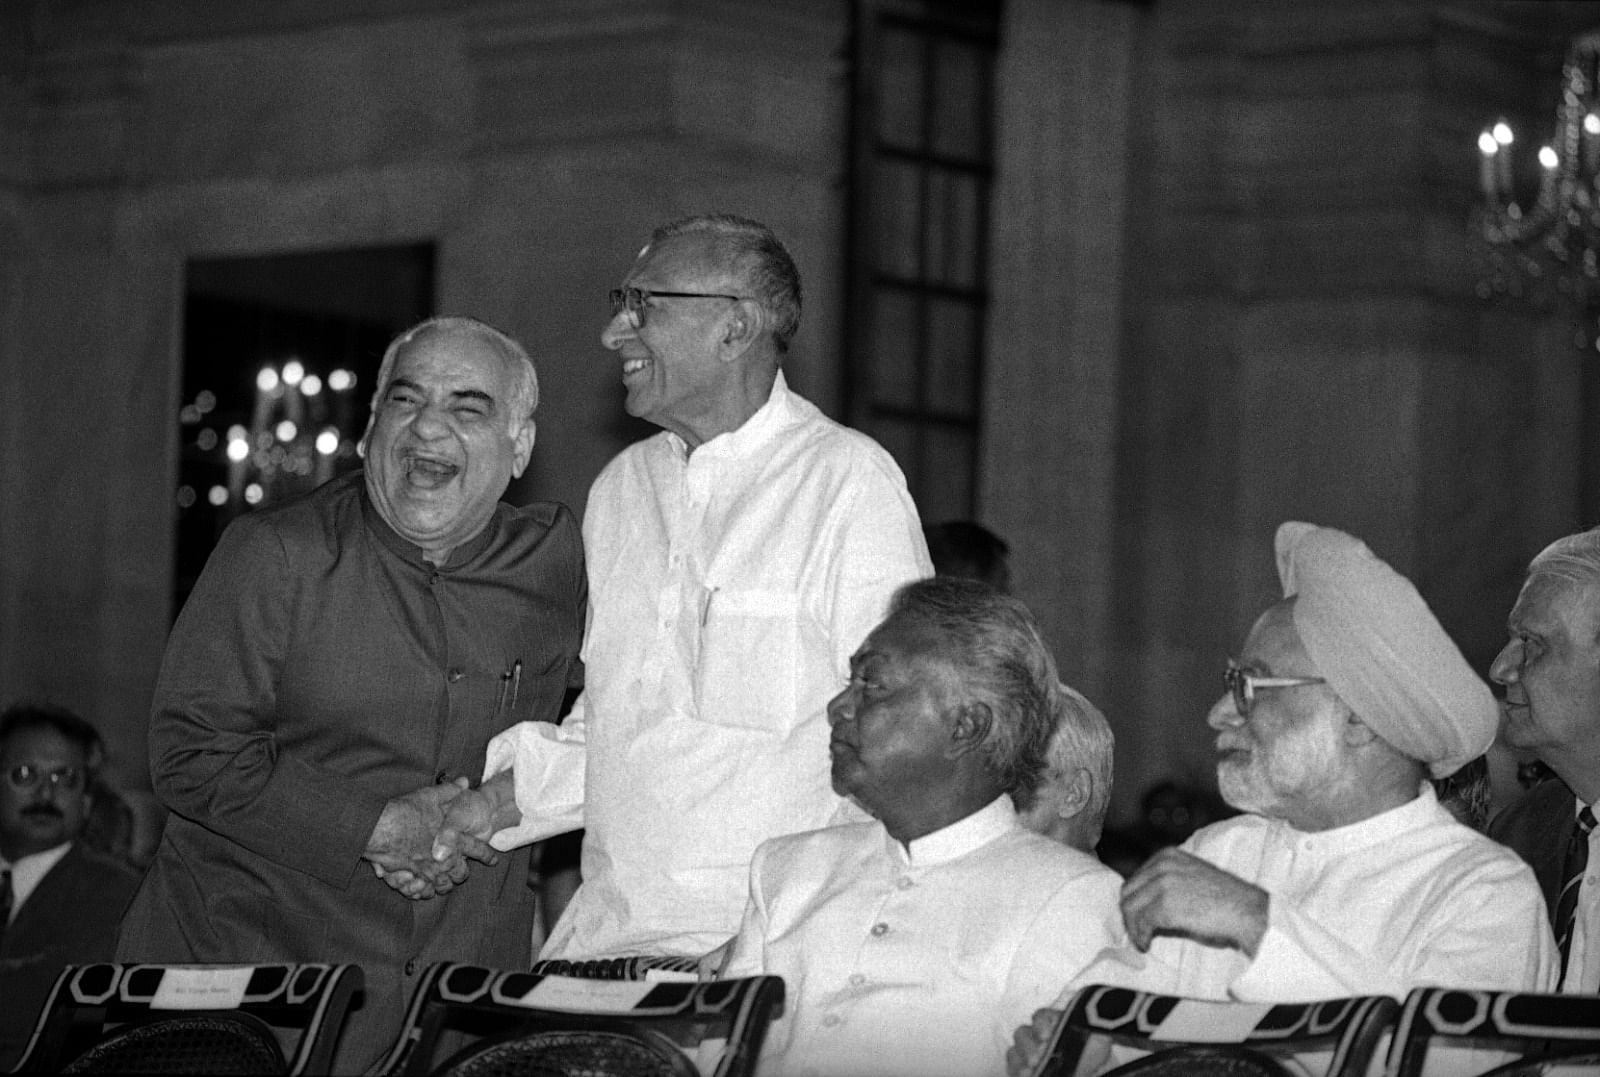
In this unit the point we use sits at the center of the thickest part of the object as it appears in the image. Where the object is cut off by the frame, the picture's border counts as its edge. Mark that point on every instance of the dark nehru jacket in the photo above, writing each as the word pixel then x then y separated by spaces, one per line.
pixel 70 918
pixel 1537 827
pixel 321 667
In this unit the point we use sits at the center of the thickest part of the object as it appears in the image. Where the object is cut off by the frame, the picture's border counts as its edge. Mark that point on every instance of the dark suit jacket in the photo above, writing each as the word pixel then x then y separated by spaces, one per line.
pixel 1537 828
pixel 69 919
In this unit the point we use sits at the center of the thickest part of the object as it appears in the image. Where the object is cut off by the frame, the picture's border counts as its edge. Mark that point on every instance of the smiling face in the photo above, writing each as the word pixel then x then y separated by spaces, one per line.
pixel 672 365
pixel 1276 761
pixel 891 739
pixel 43 814
pixel 1551 671
pixel 444 441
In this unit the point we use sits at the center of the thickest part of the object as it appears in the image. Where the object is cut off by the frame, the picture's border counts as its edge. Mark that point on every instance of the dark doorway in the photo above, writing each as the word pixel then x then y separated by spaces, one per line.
pixel 280 356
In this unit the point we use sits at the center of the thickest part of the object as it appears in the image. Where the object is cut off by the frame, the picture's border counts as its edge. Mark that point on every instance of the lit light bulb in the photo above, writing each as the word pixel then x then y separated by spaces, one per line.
pixel 207 440
pixel 293 372
pixel 1591 124
pixel 253 493
pixel 1487 145
pixel 286 430
pixel 186 496
pixel 1502 133
pixel 328 442
pixel 238 449
pixel 311 385
pixel 205 401
pixel 267 380
pixel 217 495
pixel 340 380
pixel 1548 158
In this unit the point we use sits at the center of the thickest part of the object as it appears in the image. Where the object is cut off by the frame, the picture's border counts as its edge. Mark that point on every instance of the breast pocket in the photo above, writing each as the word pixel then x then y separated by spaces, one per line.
pixel 746 671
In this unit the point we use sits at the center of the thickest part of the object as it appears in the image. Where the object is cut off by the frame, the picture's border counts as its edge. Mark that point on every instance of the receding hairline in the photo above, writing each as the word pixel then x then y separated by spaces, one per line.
pixel 515 358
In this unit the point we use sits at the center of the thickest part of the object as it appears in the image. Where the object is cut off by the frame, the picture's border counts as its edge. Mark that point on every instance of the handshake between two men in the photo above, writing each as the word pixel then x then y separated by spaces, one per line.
pixel 423 840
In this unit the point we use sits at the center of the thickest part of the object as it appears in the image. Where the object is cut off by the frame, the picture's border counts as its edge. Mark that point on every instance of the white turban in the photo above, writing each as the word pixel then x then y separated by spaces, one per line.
pixel 1377 644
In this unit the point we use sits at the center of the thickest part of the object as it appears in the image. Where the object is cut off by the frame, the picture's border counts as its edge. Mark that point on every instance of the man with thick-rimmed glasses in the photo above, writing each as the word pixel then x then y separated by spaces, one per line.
pixel 736 559
pixel 1345 876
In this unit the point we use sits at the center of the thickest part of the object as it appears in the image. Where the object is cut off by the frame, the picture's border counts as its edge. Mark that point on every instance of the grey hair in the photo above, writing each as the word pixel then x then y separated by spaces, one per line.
pixel 1575 558
pixel 525 379
pixel 750 250
pixel 1000 660
pixel 1082 738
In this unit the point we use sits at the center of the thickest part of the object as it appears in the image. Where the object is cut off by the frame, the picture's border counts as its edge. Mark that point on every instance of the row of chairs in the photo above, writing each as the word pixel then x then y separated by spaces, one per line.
pixel 619 1019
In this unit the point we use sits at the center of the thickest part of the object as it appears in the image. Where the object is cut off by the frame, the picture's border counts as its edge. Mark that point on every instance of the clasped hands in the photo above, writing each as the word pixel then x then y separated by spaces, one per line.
pixel 1173 893
pixel 423 840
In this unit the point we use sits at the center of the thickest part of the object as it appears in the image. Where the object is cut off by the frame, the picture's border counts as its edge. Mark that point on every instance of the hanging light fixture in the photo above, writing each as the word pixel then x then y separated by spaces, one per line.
pixel 1547 248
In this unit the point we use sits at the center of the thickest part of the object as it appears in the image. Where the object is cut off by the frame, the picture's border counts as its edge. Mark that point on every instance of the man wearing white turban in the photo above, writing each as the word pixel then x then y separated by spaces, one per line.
pixel 1345 876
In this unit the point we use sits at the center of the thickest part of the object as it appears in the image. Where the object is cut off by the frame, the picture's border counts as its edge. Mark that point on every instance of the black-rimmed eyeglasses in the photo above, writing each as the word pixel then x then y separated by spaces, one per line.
pixel 27 776
pixel 1244 685
pixel 633 301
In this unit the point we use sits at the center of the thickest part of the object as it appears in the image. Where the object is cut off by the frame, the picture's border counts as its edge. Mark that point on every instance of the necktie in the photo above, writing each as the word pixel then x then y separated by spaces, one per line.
pixel 6 896
pixel 1572 869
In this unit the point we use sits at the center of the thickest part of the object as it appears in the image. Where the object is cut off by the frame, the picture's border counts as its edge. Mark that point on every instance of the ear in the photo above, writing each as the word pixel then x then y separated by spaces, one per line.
pixel 742 328
pixel 969 727
pixel 522 442
pixel 1075 793
pixel 366 435
pixel 1356 732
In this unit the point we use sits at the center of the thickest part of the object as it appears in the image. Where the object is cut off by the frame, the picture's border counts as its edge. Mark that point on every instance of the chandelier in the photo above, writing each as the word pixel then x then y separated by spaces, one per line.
pixel 1547 247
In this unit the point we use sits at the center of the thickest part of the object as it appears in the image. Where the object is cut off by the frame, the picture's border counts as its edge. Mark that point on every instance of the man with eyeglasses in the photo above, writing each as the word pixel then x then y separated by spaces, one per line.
pixel 736 559
pixel 1551 671
pixel 1344 876
pixel 59 899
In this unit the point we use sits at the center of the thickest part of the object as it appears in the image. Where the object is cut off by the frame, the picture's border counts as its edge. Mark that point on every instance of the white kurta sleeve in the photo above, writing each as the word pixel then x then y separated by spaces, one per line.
pixel 547 764
pixel 1490 933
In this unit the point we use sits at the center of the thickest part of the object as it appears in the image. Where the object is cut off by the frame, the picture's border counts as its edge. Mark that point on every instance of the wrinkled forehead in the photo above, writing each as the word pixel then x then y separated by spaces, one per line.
pixel 457 354
pixel 1549 598
pixel 1274 643
pixel 40 744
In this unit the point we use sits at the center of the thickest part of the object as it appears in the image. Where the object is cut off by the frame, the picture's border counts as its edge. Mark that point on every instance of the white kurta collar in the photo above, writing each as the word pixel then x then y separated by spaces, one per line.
pixel 958 839
pixel 1376 830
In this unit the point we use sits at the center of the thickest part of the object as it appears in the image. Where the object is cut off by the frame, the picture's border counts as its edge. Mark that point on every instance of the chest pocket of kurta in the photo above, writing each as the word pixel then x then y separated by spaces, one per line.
pixel 747 661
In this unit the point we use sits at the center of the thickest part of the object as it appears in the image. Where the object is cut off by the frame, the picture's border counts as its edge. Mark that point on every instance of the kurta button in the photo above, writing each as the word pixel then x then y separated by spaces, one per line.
pixel 833 1020
pixel 411 967
pixel 453 675
pixel 880 929
pixel 856 979
pixel 905 884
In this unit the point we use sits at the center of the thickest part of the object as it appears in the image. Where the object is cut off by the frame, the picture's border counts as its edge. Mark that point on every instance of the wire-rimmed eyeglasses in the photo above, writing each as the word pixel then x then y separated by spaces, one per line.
pixel 27 776
pixel 633 301
pixel 1244 685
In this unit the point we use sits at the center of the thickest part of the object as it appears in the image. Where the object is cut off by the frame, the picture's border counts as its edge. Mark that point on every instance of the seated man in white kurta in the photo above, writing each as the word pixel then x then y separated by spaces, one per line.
pixel 1345 877
pixel 914 944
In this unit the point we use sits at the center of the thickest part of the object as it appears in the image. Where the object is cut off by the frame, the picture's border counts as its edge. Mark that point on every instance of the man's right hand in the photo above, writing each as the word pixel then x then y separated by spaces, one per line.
pixel 402 846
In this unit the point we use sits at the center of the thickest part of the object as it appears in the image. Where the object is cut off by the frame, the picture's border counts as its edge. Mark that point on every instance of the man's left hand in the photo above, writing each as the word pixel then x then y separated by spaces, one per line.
pixel 1177 893
pixel 401 846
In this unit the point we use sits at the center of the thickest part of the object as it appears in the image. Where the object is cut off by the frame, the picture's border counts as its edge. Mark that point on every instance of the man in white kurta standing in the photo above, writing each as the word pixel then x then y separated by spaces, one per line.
pixel 1345 876
pixel 736 559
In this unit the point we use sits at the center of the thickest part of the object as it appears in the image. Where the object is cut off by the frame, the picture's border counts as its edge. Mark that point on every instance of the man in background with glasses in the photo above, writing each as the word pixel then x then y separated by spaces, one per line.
pixel 59 900
pixel 1345 876
pixel 736 560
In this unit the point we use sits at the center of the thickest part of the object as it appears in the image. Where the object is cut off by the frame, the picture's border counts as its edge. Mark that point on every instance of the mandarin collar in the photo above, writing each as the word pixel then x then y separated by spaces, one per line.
pixel 410 551
pixel 1380 828
pixel 747 439
pixel 996 819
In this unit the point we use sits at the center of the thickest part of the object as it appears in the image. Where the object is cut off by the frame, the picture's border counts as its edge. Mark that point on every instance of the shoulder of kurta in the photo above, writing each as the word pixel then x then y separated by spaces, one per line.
pixel 813 853
pixel 1215 840
pixel 1051 863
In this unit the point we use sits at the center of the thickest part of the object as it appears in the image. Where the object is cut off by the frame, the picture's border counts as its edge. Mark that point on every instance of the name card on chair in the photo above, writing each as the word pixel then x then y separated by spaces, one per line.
pixel 571 993
pixel 1211 1022
pixel 201 989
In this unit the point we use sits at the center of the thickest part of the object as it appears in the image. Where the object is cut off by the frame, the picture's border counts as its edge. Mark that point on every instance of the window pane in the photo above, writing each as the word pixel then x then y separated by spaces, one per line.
pixel 897 213
pixel 894 353
pixel 944 481
pixel 952 355
pixel 961 100
pixel 899 80
pixel 955 228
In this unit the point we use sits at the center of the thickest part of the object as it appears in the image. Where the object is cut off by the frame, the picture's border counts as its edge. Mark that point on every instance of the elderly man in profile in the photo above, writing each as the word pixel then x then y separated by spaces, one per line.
pixel 735 559
pixel 1345 876
pixel 343 660
pixel 1551 672
pixel 915 943
pixel 1069 803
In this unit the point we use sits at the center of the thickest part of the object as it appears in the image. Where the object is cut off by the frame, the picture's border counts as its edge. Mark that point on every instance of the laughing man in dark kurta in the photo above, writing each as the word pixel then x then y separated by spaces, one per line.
pixel 342 660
